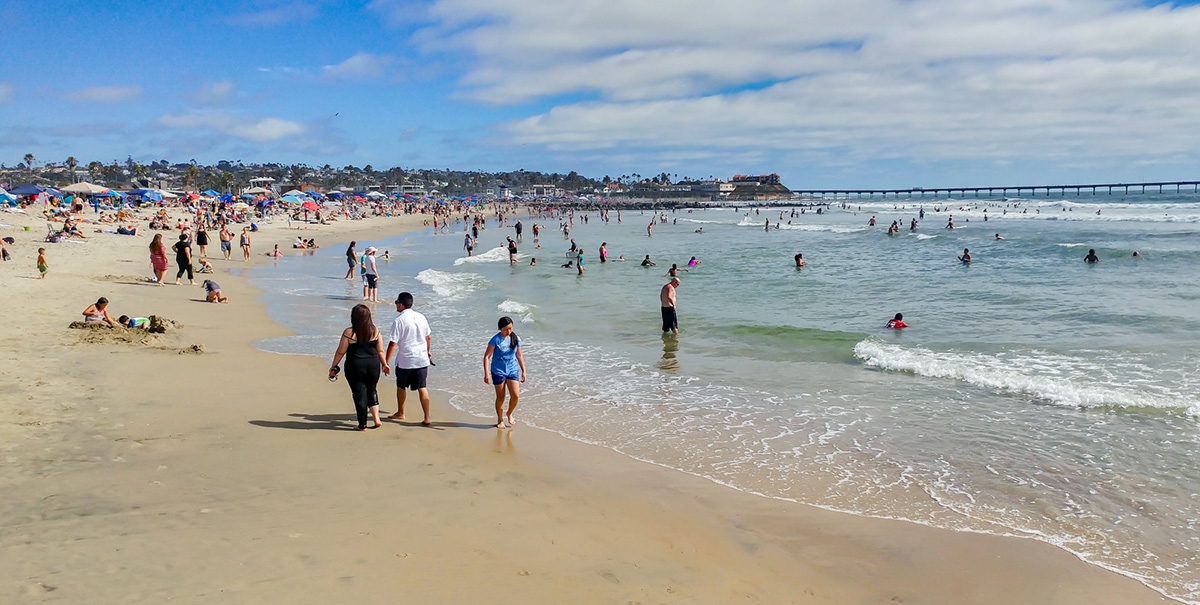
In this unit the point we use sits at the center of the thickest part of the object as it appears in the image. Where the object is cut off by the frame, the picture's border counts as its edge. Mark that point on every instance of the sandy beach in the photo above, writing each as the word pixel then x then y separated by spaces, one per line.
pixel 147 472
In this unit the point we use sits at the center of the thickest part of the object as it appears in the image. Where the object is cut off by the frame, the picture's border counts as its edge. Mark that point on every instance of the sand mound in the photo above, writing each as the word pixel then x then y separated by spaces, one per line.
pixel 192 350
pixel 98 332
pixel 102 333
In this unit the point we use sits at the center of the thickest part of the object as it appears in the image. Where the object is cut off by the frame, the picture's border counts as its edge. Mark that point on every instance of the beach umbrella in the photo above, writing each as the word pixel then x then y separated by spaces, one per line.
pixel 210 192
pixel 241 206
pixel 311 206
pixel 291 199
pixel 85 188
pixel 293 192
pixel 27 190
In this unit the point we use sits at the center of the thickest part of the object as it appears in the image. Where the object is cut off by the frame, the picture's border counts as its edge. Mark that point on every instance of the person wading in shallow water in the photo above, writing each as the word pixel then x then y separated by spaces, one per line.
pixel 667 297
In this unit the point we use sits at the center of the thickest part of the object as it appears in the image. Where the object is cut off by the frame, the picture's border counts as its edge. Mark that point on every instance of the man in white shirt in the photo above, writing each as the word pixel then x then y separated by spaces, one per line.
pixel 410 342
pixel 370 275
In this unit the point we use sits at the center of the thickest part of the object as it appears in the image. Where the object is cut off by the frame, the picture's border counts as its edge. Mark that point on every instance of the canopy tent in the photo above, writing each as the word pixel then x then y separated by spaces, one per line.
pixel 375 195
pixel 337 195
pixel 27 190
pixel 210 192
pixel 256 190
pixel 85 188
pixel 147 194
pixel 294 193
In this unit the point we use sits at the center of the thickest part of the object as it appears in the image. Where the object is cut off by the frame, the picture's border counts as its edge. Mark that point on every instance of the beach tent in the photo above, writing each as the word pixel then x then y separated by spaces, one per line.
pixel 5 198
pixel 85 188
pixel 336 195
pixel 27 190
pixel 147 195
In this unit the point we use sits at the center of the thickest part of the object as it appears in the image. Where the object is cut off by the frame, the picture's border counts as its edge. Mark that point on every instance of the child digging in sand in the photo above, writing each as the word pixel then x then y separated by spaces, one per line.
pixel 213 292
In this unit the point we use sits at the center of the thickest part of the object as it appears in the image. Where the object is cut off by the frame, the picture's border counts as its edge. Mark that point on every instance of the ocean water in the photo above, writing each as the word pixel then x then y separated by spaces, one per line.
pixel 1034 395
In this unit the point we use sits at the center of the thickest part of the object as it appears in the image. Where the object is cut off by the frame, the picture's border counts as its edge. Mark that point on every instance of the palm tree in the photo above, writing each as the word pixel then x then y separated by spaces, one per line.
pixel 190 175
pixel 29 164
pixel 140 170
pixel 71 164
pixel 94 169
pixel 226 181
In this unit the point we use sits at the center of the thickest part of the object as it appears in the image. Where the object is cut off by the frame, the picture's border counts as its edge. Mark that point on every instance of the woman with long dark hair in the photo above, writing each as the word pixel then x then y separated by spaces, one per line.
pixel 158 258
pixel 504 369
pixel 351 259
pixel 363 350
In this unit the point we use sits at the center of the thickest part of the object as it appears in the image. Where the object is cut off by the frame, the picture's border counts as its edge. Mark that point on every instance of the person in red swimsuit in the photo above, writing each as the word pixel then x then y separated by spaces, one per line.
pixel 896 322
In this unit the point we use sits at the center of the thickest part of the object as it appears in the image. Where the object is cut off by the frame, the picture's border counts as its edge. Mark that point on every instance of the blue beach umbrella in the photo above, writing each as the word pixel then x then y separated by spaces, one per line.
pixel 210 192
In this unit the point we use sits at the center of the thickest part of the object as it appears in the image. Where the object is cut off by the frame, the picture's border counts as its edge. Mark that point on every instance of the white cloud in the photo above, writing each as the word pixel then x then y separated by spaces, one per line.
pixel 249 129
pixel 295 12
pixel 6 92
pixel 213 93
pixel 361 66
pixel 106 94
pixel 836 80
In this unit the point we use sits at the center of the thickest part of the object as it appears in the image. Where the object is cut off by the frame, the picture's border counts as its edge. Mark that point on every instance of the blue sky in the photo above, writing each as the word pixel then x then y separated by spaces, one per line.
pixel 829 93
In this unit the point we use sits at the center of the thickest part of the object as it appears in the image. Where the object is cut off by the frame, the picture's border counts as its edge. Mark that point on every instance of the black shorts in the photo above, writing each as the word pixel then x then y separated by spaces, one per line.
pixel 370 280
pixel 411 378
pixel 670 322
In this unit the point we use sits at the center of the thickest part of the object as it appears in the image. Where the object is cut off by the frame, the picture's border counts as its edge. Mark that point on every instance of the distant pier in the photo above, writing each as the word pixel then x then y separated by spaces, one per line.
pixel 1094 189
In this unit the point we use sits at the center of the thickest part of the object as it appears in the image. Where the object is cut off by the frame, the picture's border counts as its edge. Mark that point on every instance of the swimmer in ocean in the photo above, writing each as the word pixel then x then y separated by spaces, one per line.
pixel 673 271
pixel 998 236
pixel 1091 257
pixel 646 262
pixel 896 323
pixel 799 258
pixel 693 262
pixel 966 256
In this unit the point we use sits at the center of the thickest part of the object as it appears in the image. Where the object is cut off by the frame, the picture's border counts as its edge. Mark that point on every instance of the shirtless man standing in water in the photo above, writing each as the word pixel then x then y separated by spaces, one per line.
pixel 667 297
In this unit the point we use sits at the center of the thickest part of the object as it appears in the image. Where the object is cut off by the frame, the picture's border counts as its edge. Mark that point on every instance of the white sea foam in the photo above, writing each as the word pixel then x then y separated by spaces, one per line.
pixel 1041 377
pixel 825 228
pixel 495 255
pixel 451 286
pixel 524 312
pixel 924 236
pixel 1074 245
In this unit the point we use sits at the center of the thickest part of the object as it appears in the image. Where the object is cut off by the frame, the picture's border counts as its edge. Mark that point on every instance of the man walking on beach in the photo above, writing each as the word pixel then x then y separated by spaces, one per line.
pixel 667 297
pixel 411 343
pixel 226 241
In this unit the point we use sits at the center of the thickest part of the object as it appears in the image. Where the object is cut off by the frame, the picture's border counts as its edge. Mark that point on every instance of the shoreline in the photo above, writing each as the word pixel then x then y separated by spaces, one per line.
pixel 164 484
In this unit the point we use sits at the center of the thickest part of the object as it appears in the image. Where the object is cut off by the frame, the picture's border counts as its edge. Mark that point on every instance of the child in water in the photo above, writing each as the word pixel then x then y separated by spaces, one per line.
pixel 896 322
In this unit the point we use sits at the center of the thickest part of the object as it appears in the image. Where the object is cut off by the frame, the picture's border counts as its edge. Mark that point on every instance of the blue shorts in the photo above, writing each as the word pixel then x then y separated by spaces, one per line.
pixel 500 379
pixel 226 246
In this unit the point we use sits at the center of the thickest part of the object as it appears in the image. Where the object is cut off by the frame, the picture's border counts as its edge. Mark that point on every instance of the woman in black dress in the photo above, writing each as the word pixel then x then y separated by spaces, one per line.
pixel 202 240
pixel 362 347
